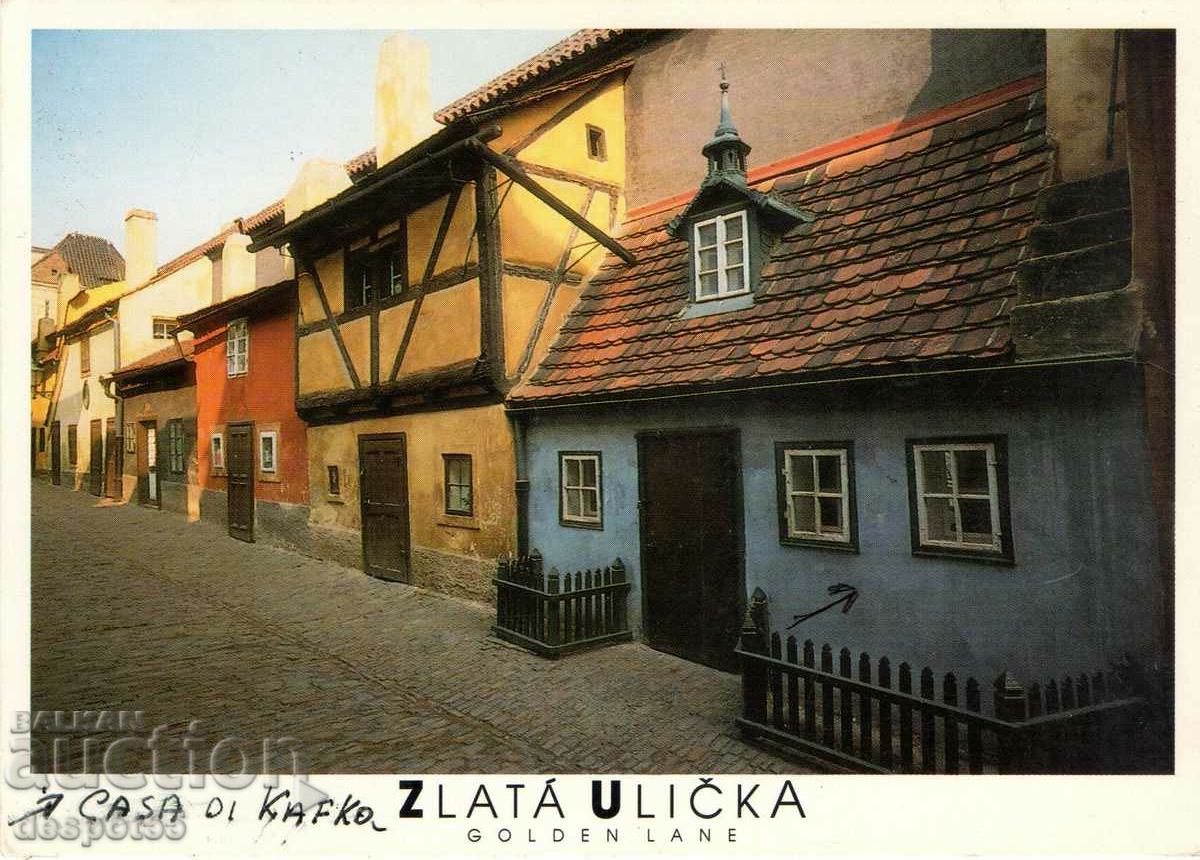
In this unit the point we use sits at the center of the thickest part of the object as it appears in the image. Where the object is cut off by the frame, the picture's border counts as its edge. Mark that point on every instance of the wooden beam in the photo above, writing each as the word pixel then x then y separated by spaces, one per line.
pixel 308 266
pixel 559 115
pixel 569 176
pixel 491 275
pixel 516 173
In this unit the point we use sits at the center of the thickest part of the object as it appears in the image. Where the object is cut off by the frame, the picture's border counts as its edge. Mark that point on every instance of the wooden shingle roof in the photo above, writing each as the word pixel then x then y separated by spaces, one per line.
pixel 909 263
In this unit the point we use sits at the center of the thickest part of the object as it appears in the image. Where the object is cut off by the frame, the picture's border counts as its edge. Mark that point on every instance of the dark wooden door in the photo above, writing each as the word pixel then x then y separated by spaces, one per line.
pixel 239 466
pixel 112 479
pixel 56 453
pixel 383 496
pixel 690 485
pixel 96 464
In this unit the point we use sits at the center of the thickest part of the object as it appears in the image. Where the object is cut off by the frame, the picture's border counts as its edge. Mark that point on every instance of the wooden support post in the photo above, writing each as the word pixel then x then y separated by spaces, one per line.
pixel 1010 705
pixel 754 672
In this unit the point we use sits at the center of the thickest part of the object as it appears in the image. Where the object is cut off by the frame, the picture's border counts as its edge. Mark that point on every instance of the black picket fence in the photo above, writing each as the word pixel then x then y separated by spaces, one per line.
pixel 866 720
pixel 551 613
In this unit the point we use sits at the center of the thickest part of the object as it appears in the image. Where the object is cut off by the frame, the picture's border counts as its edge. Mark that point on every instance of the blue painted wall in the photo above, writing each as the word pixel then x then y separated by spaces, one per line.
pixel 1084 588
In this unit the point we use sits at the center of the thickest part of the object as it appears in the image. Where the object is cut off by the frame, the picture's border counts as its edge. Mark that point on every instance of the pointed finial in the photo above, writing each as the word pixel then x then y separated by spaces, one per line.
pixel 724 83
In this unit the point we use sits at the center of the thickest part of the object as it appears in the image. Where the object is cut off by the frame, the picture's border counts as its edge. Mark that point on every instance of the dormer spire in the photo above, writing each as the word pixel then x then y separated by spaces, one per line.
pixel 726 152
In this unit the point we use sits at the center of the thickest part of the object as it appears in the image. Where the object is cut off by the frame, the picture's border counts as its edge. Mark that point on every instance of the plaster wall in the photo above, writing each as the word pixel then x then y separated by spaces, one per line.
pixel 179 293
pixel 179 491
pixel 837 83
pixel 1083 588
pixel 71 409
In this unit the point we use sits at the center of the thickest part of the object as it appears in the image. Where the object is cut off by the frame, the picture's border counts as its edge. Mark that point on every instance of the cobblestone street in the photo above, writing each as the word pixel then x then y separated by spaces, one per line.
pixel 137 609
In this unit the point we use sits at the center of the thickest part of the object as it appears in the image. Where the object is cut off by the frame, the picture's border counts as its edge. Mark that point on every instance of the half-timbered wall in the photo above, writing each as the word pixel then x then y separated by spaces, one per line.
pixel 455 310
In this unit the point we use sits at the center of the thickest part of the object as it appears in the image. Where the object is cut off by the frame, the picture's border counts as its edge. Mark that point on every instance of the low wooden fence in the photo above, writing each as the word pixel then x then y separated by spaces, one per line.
pixel 865 718
pixel 552 613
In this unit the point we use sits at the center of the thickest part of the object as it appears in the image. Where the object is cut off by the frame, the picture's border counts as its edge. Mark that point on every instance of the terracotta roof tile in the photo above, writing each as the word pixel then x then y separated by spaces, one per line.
pixel 557 57
pixel 177 351
pixel 911 259
pixel 92 258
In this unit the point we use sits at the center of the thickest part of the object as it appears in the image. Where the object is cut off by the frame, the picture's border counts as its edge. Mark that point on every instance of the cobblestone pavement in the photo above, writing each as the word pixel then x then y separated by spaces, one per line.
pixel 138 609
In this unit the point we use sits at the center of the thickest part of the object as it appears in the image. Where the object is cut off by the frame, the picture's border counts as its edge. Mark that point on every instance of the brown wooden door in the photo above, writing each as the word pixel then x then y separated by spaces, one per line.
pixel 239 466
pixel 693 591
pixel 56 453
pixel 383 496
pixel 96 464
pixel 112 479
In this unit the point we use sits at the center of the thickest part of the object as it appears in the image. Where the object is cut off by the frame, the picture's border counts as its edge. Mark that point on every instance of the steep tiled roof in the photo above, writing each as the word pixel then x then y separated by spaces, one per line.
pixel 910 262
pixel 92 258
pixel 263 216
pixel 176 352
pixel 361 164
pixel 556 57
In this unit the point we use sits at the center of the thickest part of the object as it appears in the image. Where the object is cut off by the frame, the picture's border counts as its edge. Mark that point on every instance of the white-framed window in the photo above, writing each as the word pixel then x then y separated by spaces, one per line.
pixel 161 327
pixel 130 439
pixel 720 256
pixel 580 497
pixel 816 493
pixel 237 347
pixel 268 451
pixel 959 492
pixel 217 443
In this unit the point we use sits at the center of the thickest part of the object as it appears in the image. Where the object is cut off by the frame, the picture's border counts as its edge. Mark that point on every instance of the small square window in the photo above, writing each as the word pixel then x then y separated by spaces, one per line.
pixel 958 495
pixel 596 145
pixel 162 327
pixel 720 257
pixel 217 441
pixel 815 483
pixel 268 450
pixel 335 480
pixel 580 498
pixel 458 484
pixel 237 348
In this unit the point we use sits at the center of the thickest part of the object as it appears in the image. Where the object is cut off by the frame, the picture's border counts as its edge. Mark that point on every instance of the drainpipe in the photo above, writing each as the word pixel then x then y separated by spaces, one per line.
pixel 119 459
pixel 522 484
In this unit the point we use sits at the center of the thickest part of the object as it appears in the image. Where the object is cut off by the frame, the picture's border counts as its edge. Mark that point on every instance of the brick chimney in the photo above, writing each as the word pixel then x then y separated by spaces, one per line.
pixel 403 114
pixel 141 246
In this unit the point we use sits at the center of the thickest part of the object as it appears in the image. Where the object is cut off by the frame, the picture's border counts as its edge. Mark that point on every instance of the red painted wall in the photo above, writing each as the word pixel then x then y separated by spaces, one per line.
pixel 264 395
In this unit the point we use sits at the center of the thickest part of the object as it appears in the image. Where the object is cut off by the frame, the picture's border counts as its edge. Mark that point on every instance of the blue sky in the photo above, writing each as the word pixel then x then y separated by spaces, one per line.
pixel 203 126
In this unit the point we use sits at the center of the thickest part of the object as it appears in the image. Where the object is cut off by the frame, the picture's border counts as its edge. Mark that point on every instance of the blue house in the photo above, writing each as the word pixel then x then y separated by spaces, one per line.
pixel 918 360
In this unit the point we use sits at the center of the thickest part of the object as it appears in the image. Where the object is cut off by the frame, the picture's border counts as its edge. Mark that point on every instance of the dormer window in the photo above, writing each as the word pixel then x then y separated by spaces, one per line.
pixel 720 247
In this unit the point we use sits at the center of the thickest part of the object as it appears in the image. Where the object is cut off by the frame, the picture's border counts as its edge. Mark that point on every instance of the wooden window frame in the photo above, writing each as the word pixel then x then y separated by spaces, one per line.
pixel 41 440
pixel 237 330
pixel 376 264
pixel 580 521
pixel 601 150
pixel 1000 551
pixel 130 438
pixel 469 511
pixel 333 480
pixel 848 540
pixel 85 356
pixel 273 435
pixel 216 444
pixel 72 444
pixel 168 324
pixel 720 220
pixel 176 435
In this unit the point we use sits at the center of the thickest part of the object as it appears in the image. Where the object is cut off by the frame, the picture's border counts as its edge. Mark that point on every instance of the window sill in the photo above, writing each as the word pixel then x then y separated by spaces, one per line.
pixel 708 307
pixel 836 546
pixel 572 524
pixel 455 521
pixel 965 555
pixel 269 477
pixel 334 500
pixel 218 472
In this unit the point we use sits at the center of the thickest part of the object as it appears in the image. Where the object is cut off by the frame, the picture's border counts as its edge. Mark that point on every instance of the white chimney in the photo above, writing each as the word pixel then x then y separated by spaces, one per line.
pixel 141 246
pixel 317 181
pixel 237 266
pixel 403 114
pixel 1079 67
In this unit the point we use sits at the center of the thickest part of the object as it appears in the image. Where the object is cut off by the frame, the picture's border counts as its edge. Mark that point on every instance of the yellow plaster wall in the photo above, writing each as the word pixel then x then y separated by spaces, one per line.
pixel 321 365
pixel 356 334
pixel 422 231
pixel 70 408
pixel 310 305
pixel 447 329
pixel 392 322
pixel 179 293
pixel 482 432
pixel 565 145
pixel 531 233
pixel 522 298
pixel 331 269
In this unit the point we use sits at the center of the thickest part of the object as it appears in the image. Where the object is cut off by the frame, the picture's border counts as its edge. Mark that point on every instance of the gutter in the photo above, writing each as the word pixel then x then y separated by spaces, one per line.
pixel 581 402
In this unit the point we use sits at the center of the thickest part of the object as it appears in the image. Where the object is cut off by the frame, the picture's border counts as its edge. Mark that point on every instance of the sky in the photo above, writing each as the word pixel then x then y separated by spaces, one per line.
pixel 204 126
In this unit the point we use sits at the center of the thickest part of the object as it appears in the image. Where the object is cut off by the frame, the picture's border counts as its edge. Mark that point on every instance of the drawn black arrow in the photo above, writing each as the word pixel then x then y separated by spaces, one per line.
pixel 849 595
